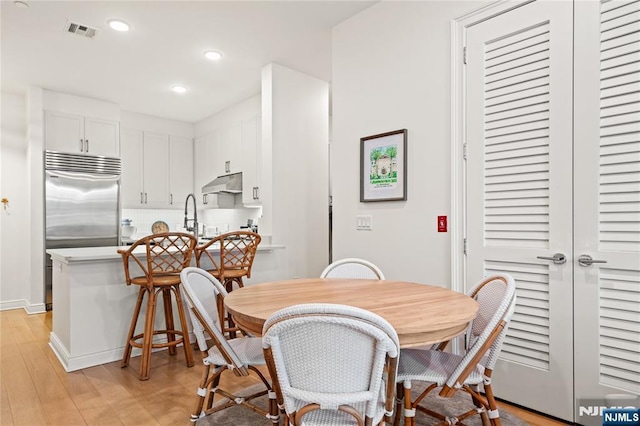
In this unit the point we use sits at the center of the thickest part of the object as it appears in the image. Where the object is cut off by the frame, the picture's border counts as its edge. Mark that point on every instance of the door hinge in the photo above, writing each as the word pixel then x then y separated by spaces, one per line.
pixel 464 151
pixel 464 246
pixel 464 55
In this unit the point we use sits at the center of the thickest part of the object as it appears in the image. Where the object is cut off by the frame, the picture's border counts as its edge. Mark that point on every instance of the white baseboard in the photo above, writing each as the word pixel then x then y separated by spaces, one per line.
pixel 74 363
pixel 84 361
pixel 12 304
pixel 37 308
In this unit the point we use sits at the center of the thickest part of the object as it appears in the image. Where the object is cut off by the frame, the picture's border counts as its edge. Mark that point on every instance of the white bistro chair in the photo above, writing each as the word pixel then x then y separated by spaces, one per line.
pixel 496 296
pixel 330 364
pixel 241 355
pixel 352 268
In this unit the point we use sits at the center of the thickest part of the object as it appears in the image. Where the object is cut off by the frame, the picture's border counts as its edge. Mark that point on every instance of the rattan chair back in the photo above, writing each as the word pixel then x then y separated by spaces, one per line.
pixel 237 250
pixel 164 254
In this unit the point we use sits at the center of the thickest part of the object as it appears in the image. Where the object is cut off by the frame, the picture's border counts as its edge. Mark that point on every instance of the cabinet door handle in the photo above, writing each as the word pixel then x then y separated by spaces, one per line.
pixel 145 198
pixel 170 198
pixel 86 143
pixel 227 166
pixel 204 198
pixel 141 198
pixel 81 145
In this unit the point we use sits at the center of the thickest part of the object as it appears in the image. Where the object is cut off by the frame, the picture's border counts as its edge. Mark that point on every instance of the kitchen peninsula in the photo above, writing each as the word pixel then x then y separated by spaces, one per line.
pixel 93 305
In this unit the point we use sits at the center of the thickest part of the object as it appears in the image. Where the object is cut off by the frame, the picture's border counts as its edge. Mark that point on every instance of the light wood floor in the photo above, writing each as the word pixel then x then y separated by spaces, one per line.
pixel 35 389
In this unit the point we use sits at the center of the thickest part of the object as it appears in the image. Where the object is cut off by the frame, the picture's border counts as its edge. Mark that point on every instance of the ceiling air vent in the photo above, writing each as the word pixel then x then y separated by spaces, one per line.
pixel 81 29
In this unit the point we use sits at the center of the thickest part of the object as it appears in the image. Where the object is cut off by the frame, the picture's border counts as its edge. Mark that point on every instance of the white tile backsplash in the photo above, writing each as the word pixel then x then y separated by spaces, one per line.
pixel 142 219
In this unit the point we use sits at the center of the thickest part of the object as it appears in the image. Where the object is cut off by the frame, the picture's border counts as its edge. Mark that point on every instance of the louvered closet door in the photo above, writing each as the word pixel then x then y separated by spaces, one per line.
pixel 519 195
pixel 607 197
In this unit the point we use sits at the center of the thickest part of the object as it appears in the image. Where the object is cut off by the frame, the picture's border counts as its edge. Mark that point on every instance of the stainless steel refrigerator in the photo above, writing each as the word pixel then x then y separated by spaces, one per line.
pixel 82 207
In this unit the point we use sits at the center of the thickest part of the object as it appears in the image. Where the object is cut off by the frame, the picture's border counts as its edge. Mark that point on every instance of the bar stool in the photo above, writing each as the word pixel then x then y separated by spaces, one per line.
pixel 233 261
pixel 161 258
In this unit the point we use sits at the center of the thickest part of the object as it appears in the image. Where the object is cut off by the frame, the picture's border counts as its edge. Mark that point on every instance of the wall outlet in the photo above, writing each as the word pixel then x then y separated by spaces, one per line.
pixel 364 222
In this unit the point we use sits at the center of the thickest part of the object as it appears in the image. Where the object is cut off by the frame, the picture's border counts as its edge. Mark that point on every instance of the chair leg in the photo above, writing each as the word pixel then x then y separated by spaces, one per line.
pixel 147 339
pixel 274 412
pixel 221 313
pixel 409 412
pixel 231 326
pixel 494 415
pixel 399 400
pixel 186 343
pixel 132 329
pixel 168 319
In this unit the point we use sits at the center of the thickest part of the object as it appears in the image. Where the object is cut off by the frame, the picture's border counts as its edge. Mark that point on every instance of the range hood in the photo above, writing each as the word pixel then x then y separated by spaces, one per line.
pixel 226 184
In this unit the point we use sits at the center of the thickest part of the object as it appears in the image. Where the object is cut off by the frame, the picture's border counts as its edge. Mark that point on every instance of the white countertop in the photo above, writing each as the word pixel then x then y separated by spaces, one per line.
pixel 84 254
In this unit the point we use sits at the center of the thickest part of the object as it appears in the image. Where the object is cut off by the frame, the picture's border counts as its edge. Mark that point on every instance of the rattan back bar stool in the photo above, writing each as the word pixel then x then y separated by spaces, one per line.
pixel 160 259
pixel 232 262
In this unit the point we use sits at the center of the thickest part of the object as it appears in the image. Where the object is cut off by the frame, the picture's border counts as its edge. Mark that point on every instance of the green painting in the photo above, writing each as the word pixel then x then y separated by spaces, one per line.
pixel 384 166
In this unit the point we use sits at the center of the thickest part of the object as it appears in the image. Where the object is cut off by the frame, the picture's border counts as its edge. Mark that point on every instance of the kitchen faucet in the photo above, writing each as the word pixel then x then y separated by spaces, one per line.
pixel 193 229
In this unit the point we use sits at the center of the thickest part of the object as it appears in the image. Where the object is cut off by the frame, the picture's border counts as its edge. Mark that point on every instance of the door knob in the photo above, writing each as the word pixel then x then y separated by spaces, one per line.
pixel 586 260
pixel 558 258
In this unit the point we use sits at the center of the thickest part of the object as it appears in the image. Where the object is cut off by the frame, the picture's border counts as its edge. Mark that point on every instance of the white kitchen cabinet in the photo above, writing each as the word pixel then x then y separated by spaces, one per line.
pixel 228 159
pixel 180 169
pixel 145 169
pixel 251 161
pixel 131 180
pixel 81 135
pixel 156 170
pixel 202 162
pixel 205 154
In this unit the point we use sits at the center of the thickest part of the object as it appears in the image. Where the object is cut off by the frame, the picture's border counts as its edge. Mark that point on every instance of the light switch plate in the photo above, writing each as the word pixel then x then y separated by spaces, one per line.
pixel 364 222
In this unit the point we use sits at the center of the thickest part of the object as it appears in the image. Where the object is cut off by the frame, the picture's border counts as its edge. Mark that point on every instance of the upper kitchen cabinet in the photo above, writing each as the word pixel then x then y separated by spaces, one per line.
pixel 251 161
pixel 131 180
pixel 204 147
pixel 229 150
pixel 145 169
pixel 206 169
pixel 81 135
pixel 180 169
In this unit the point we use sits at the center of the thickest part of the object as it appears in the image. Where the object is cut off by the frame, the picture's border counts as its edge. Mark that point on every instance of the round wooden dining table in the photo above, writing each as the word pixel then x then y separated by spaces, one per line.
pixel 421 314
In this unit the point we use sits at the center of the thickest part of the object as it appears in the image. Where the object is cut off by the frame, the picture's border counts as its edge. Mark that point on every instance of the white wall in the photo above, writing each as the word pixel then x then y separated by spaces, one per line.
pixel 295 136
pixel 35 170
pixel 231 116
pixel 391 70
pixel 14 221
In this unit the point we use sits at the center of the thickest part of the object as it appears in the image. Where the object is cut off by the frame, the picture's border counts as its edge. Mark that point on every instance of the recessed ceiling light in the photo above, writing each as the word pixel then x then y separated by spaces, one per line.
pixel 214 55
pixel 118 25
pixel 21 4
pixel 178 88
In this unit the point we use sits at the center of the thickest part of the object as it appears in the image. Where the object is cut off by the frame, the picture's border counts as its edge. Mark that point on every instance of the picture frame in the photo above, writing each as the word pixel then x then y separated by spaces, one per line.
pixel 383 167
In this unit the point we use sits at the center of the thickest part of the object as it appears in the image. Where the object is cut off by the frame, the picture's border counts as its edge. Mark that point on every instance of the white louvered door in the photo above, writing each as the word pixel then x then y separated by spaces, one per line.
pixel 553 166
pixel 607 199
pixel 519 194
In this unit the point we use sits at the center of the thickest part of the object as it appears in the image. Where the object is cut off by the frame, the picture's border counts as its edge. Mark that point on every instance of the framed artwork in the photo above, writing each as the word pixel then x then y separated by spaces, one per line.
pixel 383 167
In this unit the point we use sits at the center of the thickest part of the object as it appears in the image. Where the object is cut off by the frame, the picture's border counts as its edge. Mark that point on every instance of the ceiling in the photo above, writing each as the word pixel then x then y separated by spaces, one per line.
pixel 165 46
